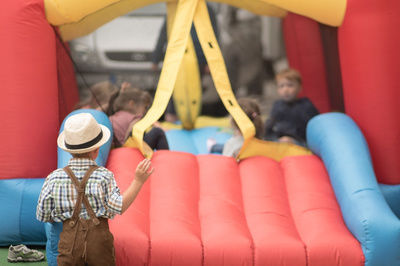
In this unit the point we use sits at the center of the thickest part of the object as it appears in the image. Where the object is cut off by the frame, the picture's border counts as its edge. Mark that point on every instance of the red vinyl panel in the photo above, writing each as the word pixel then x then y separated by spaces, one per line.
pixel 210 210
pixel 224 231
pixel 68 94
pixel 369 44
pixel 317 215
pixel 276 241
pixel 131 230
pixel 174 221
pixel 305 53
pixel 29 100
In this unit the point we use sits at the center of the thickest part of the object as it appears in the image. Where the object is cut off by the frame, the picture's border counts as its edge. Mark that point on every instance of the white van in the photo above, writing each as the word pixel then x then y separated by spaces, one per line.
pixel 121 50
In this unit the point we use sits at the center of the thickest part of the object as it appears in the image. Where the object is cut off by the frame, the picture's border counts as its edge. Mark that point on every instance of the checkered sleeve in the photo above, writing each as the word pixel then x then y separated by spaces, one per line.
pixel 113 197
pixel 45 202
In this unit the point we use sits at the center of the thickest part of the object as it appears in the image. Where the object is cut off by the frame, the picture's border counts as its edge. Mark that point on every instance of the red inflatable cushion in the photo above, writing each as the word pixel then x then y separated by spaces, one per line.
pixel 210 210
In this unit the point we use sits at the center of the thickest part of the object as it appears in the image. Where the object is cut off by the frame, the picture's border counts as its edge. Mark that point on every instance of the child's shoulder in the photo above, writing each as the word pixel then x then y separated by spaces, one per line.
pixel 304 100
pixel 104 172
pixel 279 106
pixel 56 172
pixel 278 103
pixel 102 169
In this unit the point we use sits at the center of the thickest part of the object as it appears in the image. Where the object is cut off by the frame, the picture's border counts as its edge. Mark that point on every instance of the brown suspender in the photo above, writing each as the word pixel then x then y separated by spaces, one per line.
pixel 80 188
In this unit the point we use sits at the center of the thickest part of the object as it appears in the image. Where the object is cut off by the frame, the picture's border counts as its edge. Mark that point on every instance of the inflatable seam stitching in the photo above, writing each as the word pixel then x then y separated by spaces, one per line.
pixel 281 165
pixel 252 245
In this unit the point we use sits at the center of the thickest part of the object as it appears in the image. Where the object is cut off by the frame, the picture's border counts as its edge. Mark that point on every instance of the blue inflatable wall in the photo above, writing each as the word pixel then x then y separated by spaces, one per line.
pixel 18 224
pixel 341 145
pixel 392 196
pixel 195 141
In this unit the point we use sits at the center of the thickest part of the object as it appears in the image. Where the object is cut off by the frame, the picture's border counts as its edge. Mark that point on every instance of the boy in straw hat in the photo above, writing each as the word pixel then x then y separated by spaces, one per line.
pixel 86 239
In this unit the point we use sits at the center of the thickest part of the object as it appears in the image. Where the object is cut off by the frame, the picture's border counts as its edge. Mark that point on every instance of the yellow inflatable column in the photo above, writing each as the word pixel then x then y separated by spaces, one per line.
pixel 187 90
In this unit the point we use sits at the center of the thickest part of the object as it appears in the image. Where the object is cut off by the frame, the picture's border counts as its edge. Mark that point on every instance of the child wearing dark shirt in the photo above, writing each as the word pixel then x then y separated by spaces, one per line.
pixel 290 114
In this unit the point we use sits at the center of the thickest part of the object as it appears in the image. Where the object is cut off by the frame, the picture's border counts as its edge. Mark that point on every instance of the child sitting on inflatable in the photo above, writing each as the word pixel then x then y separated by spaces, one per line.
pixel 252 110
pixel 234 144
pixel 290 114
pixel 86 239
pixel 128 107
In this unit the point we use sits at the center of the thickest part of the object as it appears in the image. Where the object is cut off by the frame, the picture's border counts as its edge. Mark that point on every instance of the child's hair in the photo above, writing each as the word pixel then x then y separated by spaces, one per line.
pixel 146 100
pixel 290 74
pixel 80 155
pixel 252 110
pixel 121 102
pixel 100 94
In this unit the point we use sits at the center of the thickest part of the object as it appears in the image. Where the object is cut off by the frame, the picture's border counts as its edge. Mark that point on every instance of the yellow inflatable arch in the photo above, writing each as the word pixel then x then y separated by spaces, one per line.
pixel 76 18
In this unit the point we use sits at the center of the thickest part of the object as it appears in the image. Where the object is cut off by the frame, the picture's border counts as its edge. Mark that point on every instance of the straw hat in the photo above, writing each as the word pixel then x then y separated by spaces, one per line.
pixel 82 134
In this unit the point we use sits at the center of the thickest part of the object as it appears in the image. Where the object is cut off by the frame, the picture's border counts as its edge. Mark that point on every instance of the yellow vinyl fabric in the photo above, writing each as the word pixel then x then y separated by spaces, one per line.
pixel 212 52
pixel 258 7
pixel 175 50
pixel 330 12
pixel 218 71
pixel 274 150
pixel 187 91
pixel 59 12
pixel 77 18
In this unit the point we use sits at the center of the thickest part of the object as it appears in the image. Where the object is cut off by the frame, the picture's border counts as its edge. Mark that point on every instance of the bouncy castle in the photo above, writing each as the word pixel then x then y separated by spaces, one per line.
pixel 278 205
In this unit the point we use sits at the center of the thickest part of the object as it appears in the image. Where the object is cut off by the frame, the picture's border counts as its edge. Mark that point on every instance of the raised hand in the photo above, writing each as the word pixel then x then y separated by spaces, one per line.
pixel 143 171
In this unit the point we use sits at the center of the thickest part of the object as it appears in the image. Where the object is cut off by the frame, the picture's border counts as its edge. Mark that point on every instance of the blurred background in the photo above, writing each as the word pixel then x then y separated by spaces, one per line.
pixel 131 49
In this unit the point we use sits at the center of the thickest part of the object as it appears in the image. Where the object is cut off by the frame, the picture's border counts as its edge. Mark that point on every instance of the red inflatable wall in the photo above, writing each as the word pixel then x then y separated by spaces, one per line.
pixel 133 245
pixel 68 94
pixel 29 101
pixel 38 90
pixel 305 53
pixel 369 44
pixel 210 210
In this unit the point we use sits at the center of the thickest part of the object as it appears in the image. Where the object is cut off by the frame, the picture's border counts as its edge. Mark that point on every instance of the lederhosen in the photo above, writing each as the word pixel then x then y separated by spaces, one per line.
pixel 85 242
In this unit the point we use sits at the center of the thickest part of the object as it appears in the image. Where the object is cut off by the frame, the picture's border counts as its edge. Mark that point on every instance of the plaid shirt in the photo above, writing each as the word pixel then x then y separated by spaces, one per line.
pixel 58 196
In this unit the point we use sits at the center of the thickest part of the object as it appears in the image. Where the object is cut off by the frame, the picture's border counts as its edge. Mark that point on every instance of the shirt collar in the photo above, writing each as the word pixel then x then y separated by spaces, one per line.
pixel 81 162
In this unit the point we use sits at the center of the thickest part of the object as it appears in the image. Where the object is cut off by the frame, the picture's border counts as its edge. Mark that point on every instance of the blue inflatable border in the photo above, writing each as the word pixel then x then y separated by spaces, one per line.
pixel 18 224
pixel 337 139
pixel 195 141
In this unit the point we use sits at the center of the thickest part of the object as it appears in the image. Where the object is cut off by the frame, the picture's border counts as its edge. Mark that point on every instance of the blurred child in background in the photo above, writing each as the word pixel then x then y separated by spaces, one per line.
pixel 252 110
pixel 126 108
pixel 234 144
pixel 99 97
pixel 290 114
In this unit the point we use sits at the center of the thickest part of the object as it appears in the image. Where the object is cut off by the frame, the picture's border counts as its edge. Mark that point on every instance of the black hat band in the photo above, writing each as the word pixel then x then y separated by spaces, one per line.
pixel 86 144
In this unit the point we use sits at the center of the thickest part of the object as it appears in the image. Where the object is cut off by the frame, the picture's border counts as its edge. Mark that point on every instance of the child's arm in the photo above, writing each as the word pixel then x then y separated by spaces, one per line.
pixel 143 171
pixel 310 110
pixel 45 202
